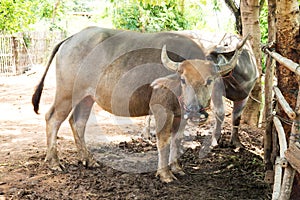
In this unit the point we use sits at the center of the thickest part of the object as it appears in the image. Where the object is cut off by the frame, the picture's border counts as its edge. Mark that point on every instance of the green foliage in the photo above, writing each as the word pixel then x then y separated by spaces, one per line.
pixel 52 12
pixel 216 5
pixel 19 15
pixel 81 5
pixel 16 15
pixel 146 17
pixel 263 21
pixel 195 15
pixel 127 17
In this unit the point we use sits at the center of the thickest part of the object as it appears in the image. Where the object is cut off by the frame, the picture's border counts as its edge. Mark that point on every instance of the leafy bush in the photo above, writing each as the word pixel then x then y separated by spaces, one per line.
pixel 16 15
pixel 149 18
pixel 263 21
pixel 19 15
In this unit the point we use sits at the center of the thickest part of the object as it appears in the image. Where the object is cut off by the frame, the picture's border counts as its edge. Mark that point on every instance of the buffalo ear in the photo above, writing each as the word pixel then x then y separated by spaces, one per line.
pixel 169 82
pixel 160 83
pixel 210 49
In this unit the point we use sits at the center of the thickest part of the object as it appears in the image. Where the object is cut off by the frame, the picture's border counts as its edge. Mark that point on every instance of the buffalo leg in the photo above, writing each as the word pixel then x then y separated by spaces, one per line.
pixel 217 99
pixel 146 131
pixel 54 118
pixel 164 121
pixel 238 107
pixel 177 134
pixel 78 122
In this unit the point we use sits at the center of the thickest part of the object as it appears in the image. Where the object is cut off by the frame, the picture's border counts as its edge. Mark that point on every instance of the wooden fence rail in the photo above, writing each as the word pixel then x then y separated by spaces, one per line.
pixel 288 157
pixel 18 52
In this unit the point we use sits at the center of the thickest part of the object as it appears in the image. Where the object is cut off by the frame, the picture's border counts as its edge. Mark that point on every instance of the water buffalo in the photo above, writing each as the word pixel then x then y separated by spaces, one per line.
pixel 235 86
pixel 122 72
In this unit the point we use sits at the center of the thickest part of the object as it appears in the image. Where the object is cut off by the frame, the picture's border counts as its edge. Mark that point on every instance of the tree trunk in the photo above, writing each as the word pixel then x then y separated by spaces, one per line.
pixel 55 8
pixel 237 14
pixel 288 45
pixel 250 20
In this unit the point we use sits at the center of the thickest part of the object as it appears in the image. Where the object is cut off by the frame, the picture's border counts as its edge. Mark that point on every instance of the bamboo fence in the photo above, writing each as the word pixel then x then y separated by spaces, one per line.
pixel 19 52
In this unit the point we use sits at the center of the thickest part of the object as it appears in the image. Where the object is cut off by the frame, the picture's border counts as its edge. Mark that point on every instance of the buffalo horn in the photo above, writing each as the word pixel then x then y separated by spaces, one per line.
pixel 167 62
pixel 229 66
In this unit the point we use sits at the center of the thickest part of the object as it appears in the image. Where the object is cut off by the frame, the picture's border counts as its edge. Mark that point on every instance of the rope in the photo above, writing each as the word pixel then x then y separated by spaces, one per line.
pixel 284 120
pixel 254 99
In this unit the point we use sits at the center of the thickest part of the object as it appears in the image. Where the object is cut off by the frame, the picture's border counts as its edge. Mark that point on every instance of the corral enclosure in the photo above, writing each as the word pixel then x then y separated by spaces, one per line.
pixel 224 173
pixel 20 51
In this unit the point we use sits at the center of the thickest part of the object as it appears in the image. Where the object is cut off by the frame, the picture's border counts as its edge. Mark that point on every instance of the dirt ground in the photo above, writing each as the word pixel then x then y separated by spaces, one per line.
pixel 127 163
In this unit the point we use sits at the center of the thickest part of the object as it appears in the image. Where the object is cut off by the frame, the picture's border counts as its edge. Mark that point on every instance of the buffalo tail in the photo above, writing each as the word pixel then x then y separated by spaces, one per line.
pixel 36 97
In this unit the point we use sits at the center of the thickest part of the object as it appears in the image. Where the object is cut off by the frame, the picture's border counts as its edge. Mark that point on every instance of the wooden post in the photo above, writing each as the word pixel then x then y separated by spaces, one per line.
pixel 15 53
pixel 281 137
pixel 277 179
pixel 293 155
pixel 294 148
pixel 287 183
pixel 269 75
pixel 270 142
pixel 289 173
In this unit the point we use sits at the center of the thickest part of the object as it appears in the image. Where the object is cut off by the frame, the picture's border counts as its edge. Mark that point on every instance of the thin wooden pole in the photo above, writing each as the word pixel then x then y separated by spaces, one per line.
pixel 281 139
pixel 277 179
pixel 269 75
pixel 289 173
pixel 293 155
pixel 284 104
pixel 287 183
pixel 294 67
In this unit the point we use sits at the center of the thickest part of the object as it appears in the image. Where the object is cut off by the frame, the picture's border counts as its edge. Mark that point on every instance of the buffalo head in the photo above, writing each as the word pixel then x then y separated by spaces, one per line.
pixel 197 78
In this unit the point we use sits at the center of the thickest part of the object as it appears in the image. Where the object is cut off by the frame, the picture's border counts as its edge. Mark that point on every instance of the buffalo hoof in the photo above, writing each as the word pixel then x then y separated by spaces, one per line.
pixel 176 169
pixel 90 162
pixel 214 143
pixel 237 144
pixel 146 133
pixel 165 175
pixel 54 165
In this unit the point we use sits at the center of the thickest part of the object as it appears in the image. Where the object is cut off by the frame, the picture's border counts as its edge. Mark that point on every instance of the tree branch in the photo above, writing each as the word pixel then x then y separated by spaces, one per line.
pixel 237 14
pixel 232 6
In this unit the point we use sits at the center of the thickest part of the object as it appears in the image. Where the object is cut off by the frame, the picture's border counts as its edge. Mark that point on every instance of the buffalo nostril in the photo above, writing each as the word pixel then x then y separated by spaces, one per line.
pixel 194 108
pixel 185 116
pixel 203 116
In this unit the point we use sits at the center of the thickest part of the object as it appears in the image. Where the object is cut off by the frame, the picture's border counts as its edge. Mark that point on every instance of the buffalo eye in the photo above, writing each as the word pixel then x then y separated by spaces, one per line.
pixel 182 80
pixel 209 81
